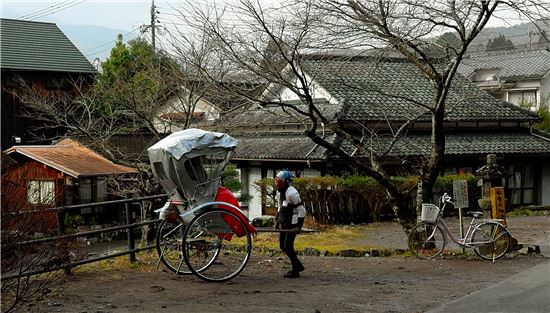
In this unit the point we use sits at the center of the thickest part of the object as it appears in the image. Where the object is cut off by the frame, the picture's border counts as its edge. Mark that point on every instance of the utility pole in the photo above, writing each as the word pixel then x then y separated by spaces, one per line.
pixel 153 22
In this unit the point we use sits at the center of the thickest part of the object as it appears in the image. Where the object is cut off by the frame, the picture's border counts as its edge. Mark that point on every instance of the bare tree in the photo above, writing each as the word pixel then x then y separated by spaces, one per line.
pixel 140 96
pixel 270 43
pixel 24 215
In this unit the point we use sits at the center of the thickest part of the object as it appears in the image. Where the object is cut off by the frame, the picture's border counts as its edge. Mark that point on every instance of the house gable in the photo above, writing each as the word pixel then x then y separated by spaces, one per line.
pixel 171 116
pixel 275 92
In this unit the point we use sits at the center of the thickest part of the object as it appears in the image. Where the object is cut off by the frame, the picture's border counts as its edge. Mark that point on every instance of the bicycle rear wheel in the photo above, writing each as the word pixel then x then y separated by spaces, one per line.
pixel 491 240
pixel 427 240
pixel 169 242
pixel 222 248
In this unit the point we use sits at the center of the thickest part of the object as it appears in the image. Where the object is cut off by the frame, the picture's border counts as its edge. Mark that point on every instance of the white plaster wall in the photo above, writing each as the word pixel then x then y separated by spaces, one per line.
pixel 308 172
pixel 545 90
pixel 545 183
pixel 285 94
pixel 484 75
pixel 174 105
pixel 255 204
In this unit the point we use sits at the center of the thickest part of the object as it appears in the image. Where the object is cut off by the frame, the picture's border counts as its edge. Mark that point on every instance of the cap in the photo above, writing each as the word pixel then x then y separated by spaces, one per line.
pixel 285 176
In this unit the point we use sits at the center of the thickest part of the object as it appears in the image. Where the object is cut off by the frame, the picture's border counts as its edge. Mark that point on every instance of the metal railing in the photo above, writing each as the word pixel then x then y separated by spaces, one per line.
pixel 60 211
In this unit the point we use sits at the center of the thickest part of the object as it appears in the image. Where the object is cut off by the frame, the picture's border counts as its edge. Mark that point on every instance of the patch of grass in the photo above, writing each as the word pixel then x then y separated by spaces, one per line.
pixel 333 239
pixel 145 262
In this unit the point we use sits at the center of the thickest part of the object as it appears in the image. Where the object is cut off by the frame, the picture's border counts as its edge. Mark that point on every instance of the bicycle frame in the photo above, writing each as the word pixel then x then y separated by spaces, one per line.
pixel 466 241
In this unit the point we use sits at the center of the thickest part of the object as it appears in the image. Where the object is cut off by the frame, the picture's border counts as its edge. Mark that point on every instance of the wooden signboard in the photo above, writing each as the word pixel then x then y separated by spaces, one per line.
pixel 497 203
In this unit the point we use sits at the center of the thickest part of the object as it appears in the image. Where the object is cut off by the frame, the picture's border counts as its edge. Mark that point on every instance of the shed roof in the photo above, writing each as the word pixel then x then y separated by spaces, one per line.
pixel 39 46
pixel 69 157
pixel 510 64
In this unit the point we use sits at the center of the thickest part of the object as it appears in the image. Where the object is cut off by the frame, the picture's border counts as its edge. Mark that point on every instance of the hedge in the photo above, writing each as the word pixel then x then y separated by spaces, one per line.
pixel 355 198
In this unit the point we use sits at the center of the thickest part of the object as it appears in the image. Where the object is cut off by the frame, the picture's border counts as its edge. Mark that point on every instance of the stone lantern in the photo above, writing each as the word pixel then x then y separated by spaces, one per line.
pixel 492 175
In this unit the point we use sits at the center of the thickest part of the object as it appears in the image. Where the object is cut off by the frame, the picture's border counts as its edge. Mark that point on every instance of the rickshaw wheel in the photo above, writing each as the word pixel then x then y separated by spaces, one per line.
pixel 169 241
pixel 217 245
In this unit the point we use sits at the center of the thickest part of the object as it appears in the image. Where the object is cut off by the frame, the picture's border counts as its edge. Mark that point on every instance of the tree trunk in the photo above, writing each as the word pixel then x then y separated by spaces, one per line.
pixel 437 156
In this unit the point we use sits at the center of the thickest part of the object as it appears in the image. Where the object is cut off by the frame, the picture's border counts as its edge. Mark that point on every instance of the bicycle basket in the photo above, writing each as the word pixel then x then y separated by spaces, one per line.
pixel 429 212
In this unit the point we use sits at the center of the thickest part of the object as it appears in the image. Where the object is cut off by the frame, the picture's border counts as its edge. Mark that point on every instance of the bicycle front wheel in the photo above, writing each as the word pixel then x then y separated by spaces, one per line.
pixel 169 242
pixel 427 240
pixel 217 245
pixel 491 240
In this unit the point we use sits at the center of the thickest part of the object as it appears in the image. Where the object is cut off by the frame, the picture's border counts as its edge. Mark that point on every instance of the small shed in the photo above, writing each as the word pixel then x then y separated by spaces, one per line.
pixel 65 173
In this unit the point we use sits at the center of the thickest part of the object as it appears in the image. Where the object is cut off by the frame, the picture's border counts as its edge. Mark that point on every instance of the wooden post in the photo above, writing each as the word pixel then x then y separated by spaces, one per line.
pixel 130 232
pixel 64 253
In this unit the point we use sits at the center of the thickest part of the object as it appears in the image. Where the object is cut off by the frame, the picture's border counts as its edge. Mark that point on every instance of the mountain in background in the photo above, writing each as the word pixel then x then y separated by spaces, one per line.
pixel 94 41
pixel 523 36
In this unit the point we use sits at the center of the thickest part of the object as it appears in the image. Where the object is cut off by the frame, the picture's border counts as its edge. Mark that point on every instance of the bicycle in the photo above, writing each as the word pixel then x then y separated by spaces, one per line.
pixel 427 239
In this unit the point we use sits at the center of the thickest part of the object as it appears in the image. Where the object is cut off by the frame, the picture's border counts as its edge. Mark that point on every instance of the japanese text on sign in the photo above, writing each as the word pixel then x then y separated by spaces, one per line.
pixel 460 193
pixel 497 202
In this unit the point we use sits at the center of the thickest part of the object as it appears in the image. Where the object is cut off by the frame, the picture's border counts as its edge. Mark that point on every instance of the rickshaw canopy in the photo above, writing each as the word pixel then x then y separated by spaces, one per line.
pixel 189 163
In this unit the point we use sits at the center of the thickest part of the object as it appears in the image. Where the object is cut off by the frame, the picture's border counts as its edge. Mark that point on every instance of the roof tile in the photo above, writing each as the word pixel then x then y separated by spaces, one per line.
pixel 511 64
pixel 390 90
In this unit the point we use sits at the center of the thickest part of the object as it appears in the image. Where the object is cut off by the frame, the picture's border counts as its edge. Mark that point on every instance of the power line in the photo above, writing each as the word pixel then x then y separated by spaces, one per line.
pixel 99 48
pixel 41 11
pixel 51 10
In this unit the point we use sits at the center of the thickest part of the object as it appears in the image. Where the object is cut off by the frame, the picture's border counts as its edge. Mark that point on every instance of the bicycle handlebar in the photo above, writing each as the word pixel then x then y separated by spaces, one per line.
pixel 445 198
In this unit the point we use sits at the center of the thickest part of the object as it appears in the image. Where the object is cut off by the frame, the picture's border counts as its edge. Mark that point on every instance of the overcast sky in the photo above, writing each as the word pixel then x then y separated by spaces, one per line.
pixel 120 14
pixel 123 16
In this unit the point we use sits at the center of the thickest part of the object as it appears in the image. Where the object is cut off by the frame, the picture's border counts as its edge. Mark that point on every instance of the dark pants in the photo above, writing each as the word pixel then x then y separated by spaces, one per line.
pixel 286 243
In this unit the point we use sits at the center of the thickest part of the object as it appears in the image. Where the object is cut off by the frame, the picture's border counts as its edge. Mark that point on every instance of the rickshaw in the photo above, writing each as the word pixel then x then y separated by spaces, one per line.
pixel 202 224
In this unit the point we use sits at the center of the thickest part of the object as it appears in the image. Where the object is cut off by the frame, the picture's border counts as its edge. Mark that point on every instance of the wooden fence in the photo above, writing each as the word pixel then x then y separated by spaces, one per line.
pixel 67 262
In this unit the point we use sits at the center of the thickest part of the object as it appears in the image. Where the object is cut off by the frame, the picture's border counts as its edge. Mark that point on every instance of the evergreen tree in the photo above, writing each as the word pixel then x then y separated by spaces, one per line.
pixel 500 43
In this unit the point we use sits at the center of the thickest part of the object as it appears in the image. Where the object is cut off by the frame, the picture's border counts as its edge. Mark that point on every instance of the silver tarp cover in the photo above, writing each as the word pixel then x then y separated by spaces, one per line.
pixel 185 141
pixel 177 162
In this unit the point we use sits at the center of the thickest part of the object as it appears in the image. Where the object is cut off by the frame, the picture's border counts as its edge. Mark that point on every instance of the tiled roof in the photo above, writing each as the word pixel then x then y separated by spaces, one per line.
pixel 280 146
pixel 71 158
pixel 296 146
pixel 469 143
pixel 274 115
pixel 379 90
pixel 510 64
pixel 133 146
pixel 39 46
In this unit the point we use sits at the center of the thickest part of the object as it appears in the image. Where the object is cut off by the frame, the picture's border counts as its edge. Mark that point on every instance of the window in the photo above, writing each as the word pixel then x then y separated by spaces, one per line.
pixel 41 192
pixel 522 185
pixel 523 98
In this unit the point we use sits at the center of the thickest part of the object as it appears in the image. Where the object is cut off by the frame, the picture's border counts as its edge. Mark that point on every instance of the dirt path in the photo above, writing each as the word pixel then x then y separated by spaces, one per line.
pixel 329 284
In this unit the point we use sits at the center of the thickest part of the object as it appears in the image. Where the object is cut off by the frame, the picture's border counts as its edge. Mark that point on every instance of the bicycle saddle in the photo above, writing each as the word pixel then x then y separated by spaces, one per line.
pixel 475 214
